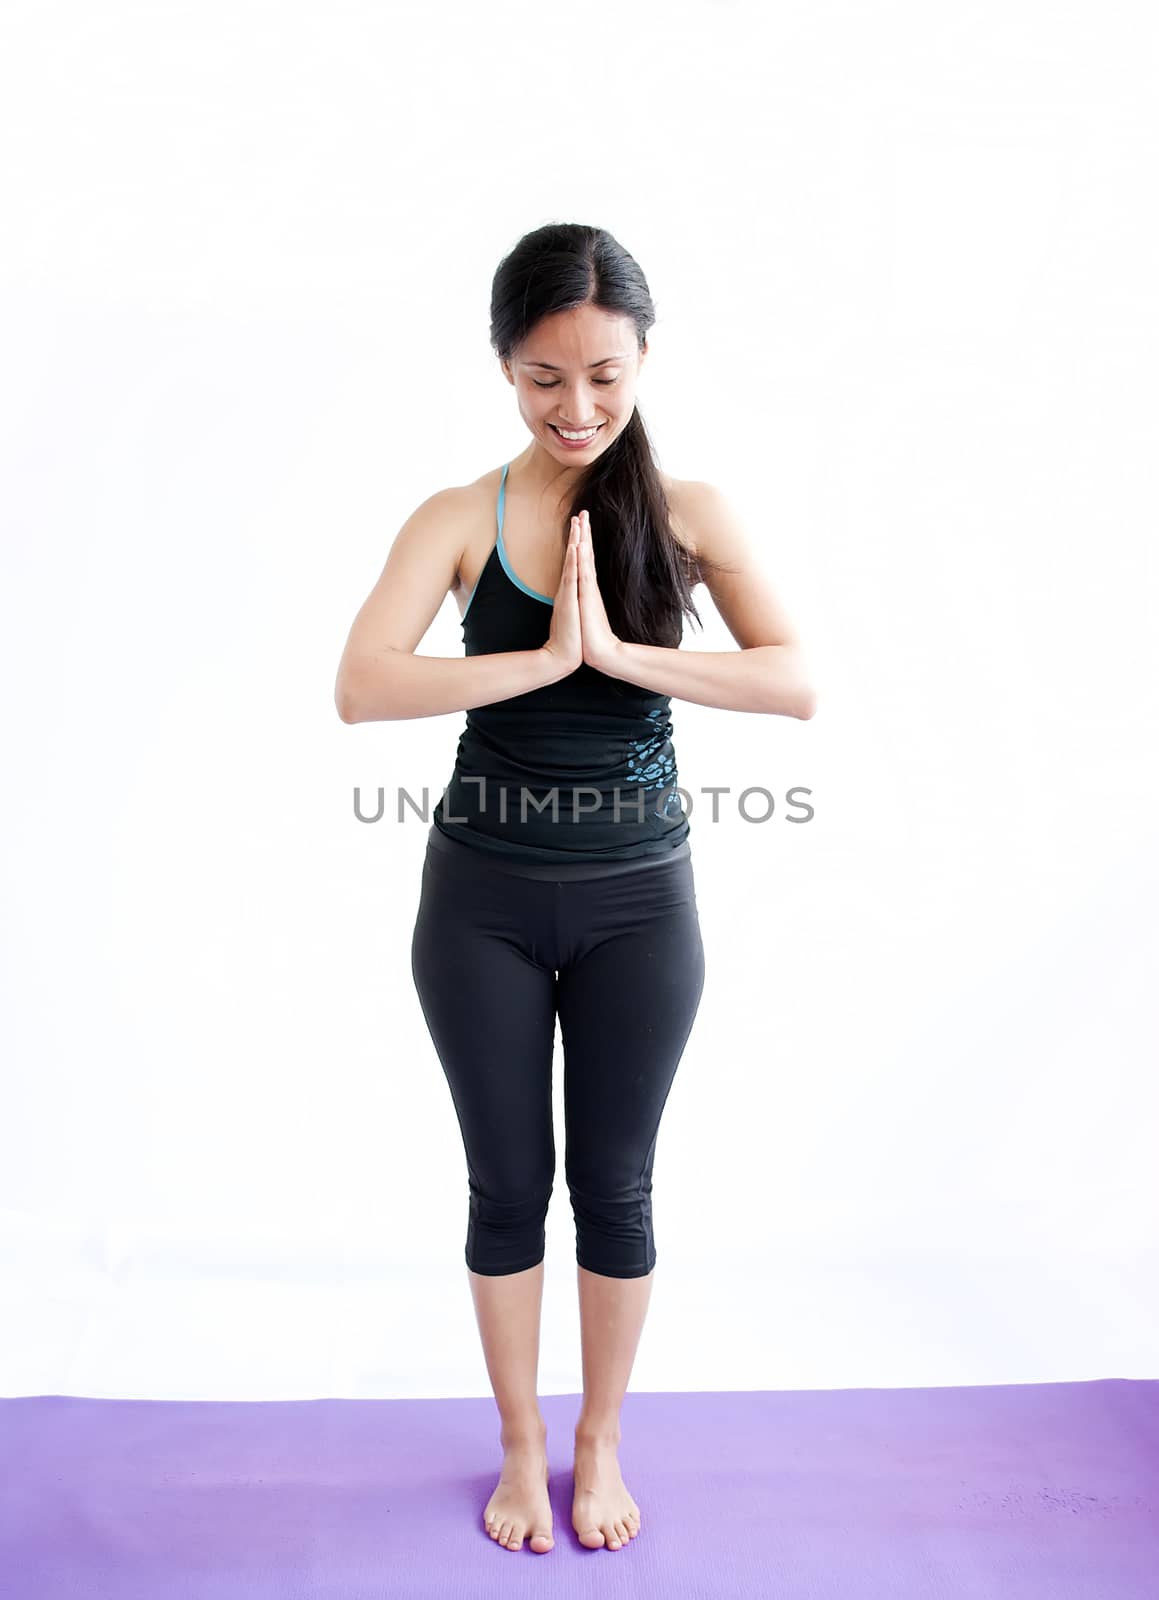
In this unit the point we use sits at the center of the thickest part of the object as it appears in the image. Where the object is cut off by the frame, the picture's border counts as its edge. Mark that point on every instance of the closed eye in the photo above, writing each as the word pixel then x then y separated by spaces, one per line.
pixel 555 383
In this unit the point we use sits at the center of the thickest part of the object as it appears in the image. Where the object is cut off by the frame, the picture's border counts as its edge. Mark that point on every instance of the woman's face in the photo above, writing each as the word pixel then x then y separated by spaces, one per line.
pixel 577 370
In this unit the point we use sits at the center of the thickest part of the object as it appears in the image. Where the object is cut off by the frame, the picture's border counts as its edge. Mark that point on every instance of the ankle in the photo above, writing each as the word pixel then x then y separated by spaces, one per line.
pixel 593 1433
pixel 523 1432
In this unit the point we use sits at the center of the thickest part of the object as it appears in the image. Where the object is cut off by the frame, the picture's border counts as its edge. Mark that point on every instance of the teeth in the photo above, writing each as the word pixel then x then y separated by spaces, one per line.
pixel 587 434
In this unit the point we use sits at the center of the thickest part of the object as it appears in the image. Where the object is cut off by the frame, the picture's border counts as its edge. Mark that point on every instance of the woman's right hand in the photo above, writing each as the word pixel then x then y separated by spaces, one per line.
pixel 564 642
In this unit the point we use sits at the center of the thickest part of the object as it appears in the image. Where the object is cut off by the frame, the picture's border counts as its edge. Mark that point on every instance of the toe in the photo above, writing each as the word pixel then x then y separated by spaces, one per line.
pixel 612 1537
pixel 541 1541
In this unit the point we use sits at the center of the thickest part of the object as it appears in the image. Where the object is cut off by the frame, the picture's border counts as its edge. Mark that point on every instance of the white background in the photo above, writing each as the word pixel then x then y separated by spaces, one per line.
pixel 904 261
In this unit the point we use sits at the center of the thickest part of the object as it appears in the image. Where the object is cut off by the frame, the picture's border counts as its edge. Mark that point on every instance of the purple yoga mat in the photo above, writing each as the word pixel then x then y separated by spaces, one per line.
pixel 1046 1490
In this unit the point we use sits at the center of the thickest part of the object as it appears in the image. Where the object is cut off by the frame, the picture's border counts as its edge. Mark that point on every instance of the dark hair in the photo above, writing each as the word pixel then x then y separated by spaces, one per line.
pixel 645 574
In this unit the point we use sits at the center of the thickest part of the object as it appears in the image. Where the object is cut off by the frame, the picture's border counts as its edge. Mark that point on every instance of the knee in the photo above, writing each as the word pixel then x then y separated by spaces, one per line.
pixel 507 1232
pixel 614 1234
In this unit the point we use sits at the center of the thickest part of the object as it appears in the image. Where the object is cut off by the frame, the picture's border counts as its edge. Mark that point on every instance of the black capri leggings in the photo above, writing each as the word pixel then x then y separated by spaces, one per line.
pixel 496 957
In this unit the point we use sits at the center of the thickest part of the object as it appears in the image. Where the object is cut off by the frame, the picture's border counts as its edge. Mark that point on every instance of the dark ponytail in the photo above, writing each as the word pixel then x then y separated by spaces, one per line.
pixel 645 574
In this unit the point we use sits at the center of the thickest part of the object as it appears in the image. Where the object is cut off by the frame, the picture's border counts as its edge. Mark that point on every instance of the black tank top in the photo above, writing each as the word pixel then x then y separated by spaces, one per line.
pixel 580 770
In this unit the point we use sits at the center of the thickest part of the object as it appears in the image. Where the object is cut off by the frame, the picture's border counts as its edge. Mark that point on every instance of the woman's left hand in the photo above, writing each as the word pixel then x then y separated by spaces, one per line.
pixel 600 644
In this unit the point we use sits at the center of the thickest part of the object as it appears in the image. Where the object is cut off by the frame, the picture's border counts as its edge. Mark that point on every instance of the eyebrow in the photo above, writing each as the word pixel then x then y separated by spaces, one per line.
pixel 547 366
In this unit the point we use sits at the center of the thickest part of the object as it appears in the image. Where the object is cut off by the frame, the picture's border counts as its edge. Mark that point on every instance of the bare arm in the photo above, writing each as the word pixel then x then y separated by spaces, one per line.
pixel 757 677
pixel 380 678
pixel 768 673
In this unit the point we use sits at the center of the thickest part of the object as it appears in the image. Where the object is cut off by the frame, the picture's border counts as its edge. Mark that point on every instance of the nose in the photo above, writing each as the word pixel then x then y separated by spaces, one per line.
pixel 577 411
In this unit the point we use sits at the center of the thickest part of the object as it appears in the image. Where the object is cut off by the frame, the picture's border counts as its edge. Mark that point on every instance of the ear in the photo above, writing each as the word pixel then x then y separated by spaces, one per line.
pixel 507 372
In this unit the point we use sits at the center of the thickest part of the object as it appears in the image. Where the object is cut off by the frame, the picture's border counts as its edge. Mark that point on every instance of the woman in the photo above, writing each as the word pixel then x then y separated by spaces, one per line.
pixel 558 877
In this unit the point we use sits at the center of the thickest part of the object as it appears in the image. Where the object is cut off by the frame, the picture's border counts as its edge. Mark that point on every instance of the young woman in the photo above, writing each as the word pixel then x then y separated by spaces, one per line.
pixel 558 880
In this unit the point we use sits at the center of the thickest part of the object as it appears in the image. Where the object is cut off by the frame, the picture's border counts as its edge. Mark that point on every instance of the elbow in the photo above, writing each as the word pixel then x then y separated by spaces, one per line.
pixel 800 704
pixel 363 692
pixel 345 701
pixel 793 693
pixel 806 696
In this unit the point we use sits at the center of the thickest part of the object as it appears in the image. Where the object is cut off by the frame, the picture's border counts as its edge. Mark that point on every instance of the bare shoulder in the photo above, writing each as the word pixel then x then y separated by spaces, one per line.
pixel 473 504
pixel 709 523
pixel 702 518
pixel 447 518
pixel 739 581
pixel 681 504
pixel 442 507
pixel 456 499
pixel 467 497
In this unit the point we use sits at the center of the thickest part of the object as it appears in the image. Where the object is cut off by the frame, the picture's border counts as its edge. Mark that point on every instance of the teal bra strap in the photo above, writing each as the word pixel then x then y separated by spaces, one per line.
pixel 547 599
pixel 502 500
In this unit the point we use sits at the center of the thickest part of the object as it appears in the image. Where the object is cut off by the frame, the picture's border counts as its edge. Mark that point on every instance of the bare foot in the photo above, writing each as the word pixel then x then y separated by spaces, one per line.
pixel 602 1512
pixel 521 1505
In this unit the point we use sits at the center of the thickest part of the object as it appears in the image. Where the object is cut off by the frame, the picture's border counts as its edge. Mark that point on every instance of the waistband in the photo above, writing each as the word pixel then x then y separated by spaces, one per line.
pixel 563 871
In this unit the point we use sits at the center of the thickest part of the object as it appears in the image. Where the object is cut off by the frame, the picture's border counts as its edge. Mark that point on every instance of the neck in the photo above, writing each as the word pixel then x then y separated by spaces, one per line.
pixel 538 473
